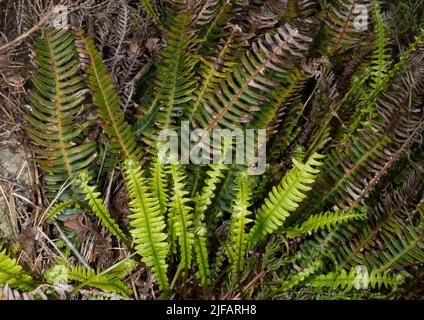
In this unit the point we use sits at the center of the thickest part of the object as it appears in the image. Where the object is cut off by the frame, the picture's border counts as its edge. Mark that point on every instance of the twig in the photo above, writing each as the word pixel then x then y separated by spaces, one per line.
pixel 71 246
pixel 26 34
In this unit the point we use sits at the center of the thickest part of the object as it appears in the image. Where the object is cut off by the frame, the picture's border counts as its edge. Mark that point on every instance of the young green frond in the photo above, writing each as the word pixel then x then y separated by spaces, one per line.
pixel 159 184
pixel 181 215
pixel 147 223
pixel 98 208
pixel 239 222
pixel 285 198
pixel 201 204
pixel 11 273
pixel 92 278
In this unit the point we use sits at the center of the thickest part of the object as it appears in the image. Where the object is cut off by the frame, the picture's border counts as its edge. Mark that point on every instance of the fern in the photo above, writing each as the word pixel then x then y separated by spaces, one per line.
pixel 57 209
pixel 181 216
pixel 355 279
pixel 239 222
pixel 284 198
pixel 90 277
pixel 202 201
pixel 98 208
pixel 243 92
pixel 326 220
pixel 123 143
pixel 11 273
pixel 57 102
pixel 147 223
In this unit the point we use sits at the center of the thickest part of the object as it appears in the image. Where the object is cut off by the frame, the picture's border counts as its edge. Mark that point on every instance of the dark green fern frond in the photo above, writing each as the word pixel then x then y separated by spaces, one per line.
pixel 147 223
pixel 11 273
pixel 57 102
pixel 105 96
pixel 285 198
pixel 175 74
pixel 57 209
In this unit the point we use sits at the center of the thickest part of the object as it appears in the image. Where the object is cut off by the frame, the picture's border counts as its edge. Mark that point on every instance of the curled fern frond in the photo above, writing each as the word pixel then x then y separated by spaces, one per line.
pixel 148 223
pixel 94 201
pixel 285 198
pixel 11 273
pixel 57 102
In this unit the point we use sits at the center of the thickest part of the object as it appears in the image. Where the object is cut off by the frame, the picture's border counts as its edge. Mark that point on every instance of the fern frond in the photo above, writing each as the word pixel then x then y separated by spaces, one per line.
pixel 11 273
pixel 175 75
pixel 98 208
pixel 90 277
pixel 181 216
pixel 285 198
pixel 239 222
pixel 326 220
pixel 246 89
pixel 355 279
pixel 202 202
pixel 159 184
pixel 57 209
pixel 57 102
pixel 147 222
pixel 347 22
pixel 105 96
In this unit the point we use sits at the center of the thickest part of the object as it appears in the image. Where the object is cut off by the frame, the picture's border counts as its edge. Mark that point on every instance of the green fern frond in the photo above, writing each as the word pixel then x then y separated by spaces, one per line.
pixel 90 277
pixel 285 198
pixel 11 273
pixel 355 279
pixel 105 96
pixel 147 222
pixel 175 74
pixel 326 220
pixel 98 208
pixel 181 216
pixel 159 184
pixel 239 222
pixel 57 102
pixel 57 209
pixel 202 202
